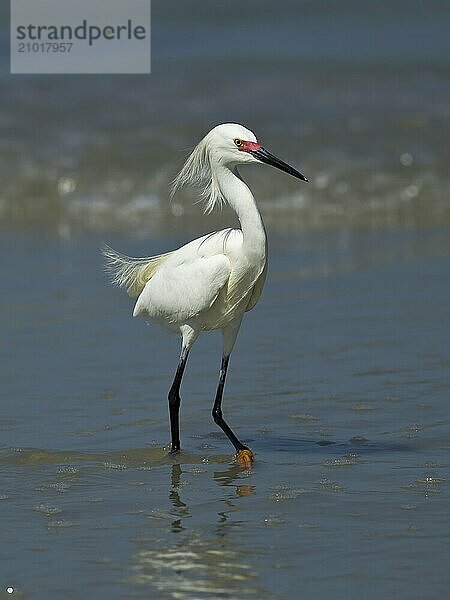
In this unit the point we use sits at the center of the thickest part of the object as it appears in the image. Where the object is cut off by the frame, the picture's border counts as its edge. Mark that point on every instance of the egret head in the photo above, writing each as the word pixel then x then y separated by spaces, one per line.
pixel 232 144
pixel 227 145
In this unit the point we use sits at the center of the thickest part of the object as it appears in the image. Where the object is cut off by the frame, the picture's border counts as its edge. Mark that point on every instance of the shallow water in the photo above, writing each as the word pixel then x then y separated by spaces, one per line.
pixel 339 383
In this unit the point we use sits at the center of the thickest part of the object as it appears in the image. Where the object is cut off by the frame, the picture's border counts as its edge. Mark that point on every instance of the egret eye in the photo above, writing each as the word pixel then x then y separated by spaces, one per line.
pixel 238 142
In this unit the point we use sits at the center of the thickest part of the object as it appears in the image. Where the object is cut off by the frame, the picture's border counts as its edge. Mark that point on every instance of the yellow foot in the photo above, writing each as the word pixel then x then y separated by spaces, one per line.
pixel 245 458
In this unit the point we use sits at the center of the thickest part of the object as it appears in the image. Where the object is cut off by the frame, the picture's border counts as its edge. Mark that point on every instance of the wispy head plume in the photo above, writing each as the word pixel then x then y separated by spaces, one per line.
pixel 198 171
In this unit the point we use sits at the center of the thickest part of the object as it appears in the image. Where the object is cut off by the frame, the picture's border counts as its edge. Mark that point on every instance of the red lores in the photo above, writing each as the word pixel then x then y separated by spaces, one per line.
pixel 249 146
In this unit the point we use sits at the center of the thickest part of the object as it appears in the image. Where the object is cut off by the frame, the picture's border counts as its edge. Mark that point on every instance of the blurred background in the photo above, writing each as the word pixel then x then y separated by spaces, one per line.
pixel 354 93
pixel 339 380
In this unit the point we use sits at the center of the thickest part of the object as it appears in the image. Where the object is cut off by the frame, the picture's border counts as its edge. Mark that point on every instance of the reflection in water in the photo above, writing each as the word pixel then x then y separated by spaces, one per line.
pixel 204 562
pixel 229 475
pixel 179 508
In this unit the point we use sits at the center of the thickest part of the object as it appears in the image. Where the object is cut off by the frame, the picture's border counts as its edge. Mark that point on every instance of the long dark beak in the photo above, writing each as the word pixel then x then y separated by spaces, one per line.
pixel 266 157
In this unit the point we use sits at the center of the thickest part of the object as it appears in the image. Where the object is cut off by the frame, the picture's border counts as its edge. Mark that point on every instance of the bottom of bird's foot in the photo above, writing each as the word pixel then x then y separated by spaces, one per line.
pixel 245 457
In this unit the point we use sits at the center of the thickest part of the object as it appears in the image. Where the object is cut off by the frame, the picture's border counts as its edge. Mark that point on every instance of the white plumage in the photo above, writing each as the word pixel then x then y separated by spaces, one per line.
pixel 210 282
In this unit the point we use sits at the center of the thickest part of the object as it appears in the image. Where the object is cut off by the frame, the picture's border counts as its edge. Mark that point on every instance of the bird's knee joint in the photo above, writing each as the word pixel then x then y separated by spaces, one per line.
pixel 217 416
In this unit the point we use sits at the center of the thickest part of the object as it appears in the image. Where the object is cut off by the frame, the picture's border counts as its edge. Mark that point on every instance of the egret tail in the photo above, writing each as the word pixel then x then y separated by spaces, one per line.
pixel 131 273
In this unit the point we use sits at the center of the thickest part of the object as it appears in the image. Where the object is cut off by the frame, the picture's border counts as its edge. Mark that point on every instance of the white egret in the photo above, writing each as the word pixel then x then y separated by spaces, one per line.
pixel 212 281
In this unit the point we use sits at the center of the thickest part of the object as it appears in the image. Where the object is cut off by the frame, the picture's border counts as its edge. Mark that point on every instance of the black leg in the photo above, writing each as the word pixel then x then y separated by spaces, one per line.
pixel 217 410
pixel 174 401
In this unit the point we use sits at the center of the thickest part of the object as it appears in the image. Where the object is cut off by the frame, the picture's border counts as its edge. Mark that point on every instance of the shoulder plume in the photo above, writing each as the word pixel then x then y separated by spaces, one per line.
pixel 197 171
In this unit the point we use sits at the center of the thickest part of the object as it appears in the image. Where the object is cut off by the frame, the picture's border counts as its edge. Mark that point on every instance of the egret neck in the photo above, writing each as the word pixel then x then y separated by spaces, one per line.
pixel 238 195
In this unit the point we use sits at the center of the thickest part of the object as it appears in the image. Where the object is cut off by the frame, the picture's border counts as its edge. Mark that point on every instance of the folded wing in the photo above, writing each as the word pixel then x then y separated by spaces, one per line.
pixel 183 289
